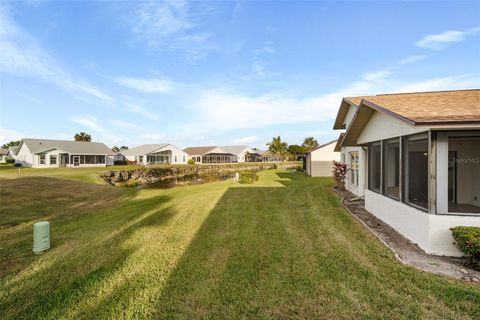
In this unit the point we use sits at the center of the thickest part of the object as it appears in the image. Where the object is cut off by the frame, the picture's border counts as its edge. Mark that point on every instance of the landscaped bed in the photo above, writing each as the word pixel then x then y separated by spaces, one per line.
pixel 282 247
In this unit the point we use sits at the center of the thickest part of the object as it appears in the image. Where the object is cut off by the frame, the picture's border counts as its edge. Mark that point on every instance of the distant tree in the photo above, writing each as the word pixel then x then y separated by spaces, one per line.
pixel 310 143
pixel 295 151
pixel 278 147
pixel 11 144
pixel 123 148
pixel 115 149
pixel 82 136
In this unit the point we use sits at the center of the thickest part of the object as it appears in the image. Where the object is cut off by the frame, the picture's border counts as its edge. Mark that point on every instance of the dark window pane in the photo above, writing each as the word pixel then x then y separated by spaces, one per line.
pixel 392 168
pixel 417 172
pixel 374 169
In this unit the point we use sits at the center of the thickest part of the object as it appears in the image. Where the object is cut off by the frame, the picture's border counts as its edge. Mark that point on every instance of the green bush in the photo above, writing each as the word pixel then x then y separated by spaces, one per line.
pixel 467 240
pixel 248 177
pixel 10 160
pixel 191 161
pixel 131 183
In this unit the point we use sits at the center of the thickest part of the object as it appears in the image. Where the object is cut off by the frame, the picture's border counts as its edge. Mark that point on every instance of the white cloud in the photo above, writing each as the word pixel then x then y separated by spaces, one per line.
pixel 415 58
pixel 125 124
pixel 442 83
pixel 246 140
pixel 147 85
pixel 134 108
pixel 20 55
pixel 31 99
pixel 377 75
pixel 169 25
pixel 99 132
pixel 7 135
pixel 441 40
pixel 269 49
pixel 153 136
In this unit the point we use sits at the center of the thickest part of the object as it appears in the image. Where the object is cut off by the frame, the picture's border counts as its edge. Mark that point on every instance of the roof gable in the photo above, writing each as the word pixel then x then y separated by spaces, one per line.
pixel 80 147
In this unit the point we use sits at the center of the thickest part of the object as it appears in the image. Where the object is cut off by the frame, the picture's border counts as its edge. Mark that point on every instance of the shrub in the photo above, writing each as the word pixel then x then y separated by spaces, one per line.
pixel 191 161
pixel 467 240
pixel 120 162
pixel 247 177
pixel 10 160
pixel 131 183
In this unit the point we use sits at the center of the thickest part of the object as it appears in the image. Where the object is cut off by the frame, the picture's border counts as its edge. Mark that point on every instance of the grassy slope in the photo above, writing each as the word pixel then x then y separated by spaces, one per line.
pixel 281 248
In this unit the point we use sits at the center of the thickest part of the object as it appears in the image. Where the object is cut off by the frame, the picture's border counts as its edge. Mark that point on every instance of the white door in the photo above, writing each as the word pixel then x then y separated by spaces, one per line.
pixel 76 161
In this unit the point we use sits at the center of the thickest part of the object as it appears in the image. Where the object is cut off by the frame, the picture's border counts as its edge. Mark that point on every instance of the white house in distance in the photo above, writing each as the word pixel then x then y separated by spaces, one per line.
pixel 156 154
pixel 43 153
pixel 418 160
pixel 210 155
pixel 239 151
pixel 319 161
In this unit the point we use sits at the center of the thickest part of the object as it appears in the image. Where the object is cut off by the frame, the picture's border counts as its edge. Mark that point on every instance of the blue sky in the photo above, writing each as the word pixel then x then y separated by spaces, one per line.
pixel 217 73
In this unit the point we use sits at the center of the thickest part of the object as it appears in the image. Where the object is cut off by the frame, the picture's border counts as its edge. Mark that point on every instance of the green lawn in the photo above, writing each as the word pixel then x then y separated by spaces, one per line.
pixel 280 248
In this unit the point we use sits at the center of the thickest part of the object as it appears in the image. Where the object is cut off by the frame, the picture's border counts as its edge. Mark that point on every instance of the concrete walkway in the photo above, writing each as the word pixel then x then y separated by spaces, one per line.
pixel 406 251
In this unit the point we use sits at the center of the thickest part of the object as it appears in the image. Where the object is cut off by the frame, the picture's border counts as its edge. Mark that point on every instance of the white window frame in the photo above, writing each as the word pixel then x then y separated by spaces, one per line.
pixel 354 161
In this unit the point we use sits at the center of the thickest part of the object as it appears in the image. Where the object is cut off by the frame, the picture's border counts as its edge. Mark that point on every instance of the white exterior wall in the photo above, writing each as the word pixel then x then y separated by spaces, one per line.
pixel 319 162
pixel 431 232
pixel 349 116
pixel 362 169
pixel 25 156
pixel 241 155
pixel 382 126
pixel 181 156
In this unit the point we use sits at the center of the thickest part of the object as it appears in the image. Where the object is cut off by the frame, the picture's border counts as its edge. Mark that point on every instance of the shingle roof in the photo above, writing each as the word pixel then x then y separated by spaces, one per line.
pixel 456 106
pixel 323 145
pixel 144 149
pixel 80 147
pixel 198 150
pixel 3 152
pixel 236 150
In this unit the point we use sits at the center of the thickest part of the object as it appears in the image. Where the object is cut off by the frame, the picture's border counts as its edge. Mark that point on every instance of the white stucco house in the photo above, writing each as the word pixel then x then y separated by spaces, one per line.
pixel 415 158
pixel 163 153
pixel 43 153
pixel 210 155
pixel 319 161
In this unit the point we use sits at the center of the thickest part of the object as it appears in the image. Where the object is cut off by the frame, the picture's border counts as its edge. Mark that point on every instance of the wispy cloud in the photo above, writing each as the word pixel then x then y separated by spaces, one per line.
pixel 464 81
pixel 153 136
pixel 147 85
pixel 135 108
pixel 100 132
pixel 125 124
pixel 377 75
pixel 31 99
pixel 20 55
pixel 171 25
pixel 415 58
pixel 246 140
pixel 442 40
pixel 7 135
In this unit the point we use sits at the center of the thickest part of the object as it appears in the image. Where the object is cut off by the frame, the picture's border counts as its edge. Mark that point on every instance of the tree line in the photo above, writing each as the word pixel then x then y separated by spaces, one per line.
pixel 293 151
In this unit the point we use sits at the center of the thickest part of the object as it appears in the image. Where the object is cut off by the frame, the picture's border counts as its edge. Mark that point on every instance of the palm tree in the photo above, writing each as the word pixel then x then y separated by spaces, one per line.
pixel 310 143
pixel 82 136
pixel 278 147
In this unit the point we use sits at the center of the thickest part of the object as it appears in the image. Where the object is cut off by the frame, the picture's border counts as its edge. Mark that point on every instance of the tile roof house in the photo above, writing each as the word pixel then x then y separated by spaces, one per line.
pixel 44 153
pixel 156 154
pixel 415 158
pixel 210 155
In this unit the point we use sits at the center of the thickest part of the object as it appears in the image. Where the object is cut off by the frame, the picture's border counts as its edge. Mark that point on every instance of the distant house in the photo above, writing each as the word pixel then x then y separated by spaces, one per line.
pixel 240 151
pixel 156 154
pixel 319 161
pixel 43 153
pixel 210 155
pixel 3 155
pixel 12 152
pixel 268 156
pixel 415 158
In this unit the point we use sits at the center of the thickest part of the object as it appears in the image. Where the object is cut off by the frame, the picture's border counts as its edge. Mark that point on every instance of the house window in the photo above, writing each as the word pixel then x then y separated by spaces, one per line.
pixel 183 158
pixel 354 168
pixel 42 158
pixel 416 171
pixel 391 169
pixel 53 159
pixel 198 159
pixel 140 159
pixel 374 166
pixel 175 158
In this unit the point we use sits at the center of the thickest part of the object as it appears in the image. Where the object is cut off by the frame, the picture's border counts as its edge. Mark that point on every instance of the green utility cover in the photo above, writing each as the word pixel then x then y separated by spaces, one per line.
pixel 41 237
